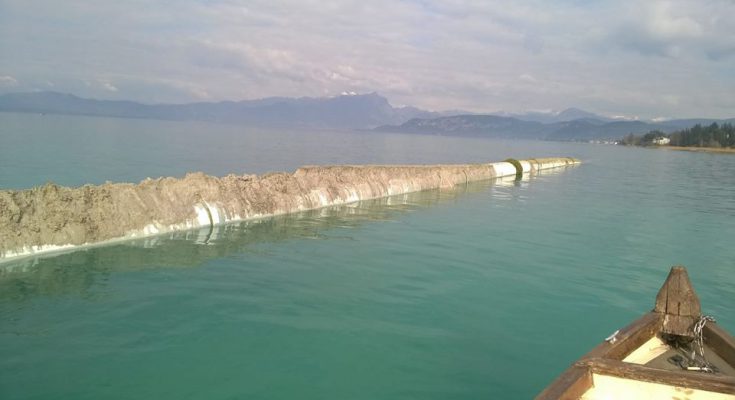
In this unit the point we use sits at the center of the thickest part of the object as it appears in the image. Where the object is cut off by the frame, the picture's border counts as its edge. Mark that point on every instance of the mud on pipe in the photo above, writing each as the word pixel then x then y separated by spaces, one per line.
pixel 51 217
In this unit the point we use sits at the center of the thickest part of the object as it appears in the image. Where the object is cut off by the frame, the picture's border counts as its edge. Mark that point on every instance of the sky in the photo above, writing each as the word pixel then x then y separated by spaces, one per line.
pixel 646 59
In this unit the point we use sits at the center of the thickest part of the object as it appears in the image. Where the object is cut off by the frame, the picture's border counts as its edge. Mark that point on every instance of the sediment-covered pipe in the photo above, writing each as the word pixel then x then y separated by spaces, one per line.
pixel 52 217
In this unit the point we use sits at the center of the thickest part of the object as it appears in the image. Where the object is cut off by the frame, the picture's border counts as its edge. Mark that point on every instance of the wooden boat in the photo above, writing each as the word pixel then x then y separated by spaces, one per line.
pixel 673 353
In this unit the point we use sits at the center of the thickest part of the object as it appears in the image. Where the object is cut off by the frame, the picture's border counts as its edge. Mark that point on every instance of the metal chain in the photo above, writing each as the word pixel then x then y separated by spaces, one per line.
pixel 699 339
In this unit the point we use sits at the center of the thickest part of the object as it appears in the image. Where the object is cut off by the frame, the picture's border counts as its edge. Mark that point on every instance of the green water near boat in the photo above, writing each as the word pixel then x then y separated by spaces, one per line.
pixel 486 291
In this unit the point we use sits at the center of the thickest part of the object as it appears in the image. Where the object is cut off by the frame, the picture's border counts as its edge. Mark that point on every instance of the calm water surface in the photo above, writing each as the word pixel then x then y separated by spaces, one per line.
pixel 486 291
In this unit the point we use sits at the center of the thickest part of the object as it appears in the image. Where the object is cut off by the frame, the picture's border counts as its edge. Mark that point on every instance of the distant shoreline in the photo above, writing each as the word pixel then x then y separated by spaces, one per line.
pixel 723 150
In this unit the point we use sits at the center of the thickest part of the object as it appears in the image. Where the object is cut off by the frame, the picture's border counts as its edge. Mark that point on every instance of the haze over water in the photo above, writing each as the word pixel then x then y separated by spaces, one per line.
pixel 488 290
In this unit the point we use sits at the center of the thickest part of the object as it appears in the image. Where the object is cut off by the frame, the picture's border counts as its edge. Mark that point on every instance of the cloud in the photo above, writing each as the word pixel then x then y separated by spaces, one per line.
pixel 666 22
pixel 722 51
pixel 533 43
pixel 527 78
pixel 8 81
pixel 617 57
pixel 677 29
pixel 108 86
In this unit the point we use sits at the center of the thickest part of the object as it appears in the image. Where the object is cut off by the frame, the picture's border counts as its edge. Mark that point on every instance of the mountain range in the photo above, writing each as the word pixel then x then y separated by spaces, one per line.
pixel 341 112
pixel 583 129
pixel 366 111
pixel 570 114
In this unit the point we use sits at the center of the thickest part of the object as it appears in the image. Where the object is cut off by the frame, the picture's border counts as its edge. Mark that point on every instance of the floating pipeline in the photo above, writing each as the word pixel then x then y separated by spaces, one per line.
pixel 52 218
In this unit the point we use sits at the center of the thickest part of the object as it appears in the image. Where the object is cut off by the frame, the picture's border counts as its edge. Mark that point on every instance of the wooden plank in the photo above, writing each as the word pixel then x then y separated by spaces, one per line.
pixel 679 304
pixel 575 380
pixel 570 385
pixel 692 380
pixel 629 338
pixel 676 310
pixel 720 341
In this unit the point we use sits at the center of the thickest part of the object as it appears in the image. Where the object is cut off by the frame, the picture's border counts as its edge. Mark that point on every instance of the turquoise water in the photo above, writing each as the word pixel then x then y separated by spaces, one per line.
pixel 486 291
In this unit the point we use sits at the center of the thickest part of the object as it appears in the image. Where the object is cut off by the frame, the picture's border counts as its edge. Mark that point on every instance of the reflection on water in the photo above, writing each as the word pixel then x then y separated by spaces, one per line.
pixel 431 295
pixel 77 272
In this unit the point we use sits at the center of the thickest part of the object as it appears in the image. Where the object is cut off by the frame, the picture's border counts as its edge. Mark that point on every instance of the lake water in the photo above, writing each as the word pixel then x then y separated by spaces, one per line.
pixel 489 290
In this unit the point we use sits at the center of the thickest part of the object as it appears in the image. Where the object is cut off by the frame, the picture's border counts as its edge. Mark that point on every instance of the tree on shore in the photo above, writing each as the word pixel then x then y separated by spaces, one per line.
pixel 713 135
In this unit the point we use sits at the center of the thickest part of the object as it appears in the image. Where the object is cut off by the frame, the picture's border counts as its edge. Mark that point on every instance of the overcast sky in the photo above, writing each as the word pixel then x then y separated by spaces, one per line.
pixel 635 58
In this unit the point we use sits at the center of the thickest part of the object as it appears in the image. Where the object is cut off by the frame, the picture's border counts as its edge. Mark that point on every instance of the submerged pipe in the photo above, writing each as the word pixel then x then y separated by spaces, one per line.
pixel 51 217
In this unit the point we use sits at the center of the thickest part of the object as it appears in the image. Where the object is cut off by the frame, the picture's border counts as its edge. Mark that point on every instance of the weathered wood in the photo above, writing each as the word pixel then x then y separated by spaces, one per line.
pixel 570 385
pixel 576 380
pixel 676 311
pixel 678 303
pixel 629 338
pixel 692 380
pixel 720 342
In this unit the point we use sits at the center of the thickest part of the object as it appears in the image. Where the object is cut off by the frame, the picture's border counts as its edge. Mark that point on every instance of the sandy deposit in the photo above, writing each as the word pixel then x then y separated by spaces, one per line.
pixel 52 217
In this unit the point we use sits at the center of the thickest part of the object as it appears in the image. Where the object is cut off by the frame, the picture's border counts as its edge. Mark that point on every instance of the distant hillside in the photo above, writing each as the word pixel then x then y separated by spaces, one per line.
pixel 366 111
pixel 471 125
pixel 570 114
pixel 688 123
pixel 584 129
pixel 349 111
